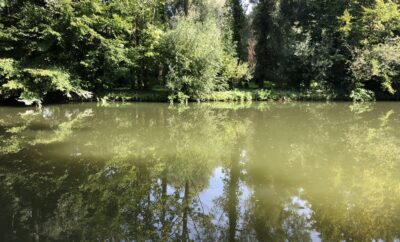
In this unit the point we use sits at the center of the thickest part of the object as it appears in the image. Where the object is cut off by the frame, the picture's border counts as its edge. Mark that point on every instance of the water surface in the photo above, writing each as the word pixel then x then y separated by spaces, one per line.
pixel 203 172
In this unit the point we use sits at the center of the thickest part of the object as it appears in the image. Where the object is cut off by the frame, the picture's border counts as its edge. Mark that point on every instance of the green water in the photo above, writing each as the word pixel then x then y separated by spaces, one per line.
pixel 205 172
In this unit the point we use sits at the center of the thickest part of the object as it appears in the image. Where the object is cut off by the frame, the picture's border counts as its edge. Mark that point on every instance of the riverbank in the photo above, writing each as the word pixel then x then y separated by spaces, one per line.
pixel 237 95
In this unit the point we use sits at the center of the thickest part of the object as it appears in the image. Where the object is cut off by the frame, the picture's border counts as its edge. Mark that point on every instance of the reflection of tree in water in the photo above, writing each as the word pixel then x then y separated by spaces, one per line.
pixel 29 182
pixel 220 132
pixel 135 172
pixel 138 190
pixel 346 166
pixel 363 189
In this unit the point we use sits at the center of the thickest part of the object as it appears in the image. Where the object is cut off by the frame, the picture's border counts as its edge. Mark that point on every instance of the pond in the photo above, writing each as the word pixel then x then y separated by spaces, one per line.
pixel 203 172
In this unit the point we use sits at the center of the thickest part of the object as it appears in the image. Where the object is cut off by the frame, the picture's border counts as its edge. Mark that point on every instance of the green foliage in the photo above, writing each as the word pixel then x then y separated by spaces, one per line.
pixel 339 43
pixel 194 56
pixel 126 95
pixel 362 95
pixel 80 46
pixel 8 68
pixel 230 96
pixel 237 74
pixel 263 95
pixel 379 63
pixel 315 93
pixel 379 22
pixel 32 84
pixel 197 61
pixel 69 49
pixel 239 26
pixel 181 97
pixel 372 33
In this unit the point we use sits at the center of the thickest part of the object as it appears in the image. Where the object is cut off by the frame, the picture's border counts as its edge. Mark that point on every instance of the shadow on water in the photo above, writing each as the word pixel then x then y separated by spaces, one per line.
pixel 203 172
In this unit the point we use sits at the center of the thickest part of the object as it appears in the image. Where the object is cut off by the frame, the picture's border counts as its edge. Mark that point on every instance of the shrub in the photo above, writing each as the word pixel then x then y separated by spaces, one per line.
pixel 197 60
pixel 263 95
pixel 362 95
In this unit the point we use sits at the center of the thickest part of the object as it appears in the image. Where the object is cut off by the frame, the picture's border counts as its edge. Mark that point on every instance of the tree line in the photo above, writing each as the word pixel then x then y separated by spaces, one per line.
pixel 69 49
pixel 347 46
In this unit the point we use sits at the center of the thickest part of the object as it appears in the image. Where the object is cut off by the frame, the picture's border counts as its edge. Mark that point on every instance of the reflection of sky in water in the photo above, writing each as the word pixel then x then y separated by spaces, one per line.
pixel 207 199
pixel 214 191
pixel 303 209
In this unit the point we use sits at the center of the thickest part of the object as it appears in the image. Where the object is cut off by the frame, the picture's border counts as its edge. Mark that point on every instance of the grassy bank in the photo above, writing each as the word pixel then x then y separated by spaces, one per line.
pixel 245 95
pixel 126 95
pixel 270 95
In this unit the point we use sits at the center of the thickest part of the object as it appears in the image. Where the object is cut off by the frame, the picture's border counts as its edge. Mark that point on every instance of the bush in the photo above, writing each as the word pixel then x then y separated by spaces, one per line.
pixel 379 63
pixel 263 95
pixel 126 95
pixel 180 97
pixel 230 96
pixel 362 95
pixel 194 56
pixel 197 60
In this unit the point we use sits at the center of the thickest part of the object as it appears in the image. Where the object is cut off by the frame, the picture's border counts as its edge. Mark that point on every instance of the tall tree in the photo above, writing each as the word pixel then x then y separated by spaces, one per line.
pixel 239 27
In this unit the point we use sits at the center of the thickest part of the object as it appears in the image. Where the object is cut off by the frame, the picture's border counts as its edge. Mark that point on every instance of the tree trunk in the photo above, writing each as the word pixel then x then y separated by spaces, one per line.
pixel 186 7
pixel 233 192
pixel 164 224
pixel 186 205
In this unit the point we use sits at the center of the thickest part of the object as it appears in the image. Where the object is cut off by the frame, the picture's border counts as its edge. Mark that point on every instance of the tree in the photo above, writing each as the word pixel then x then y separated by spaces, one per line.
pixel 239 27
pixel 195 54
pixel 372 34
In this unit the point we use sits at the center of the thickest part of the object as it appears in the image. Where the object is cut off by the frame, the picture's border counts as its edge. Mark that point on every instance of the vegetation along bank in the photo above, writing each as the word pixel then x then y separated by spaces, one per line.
pixel 205 50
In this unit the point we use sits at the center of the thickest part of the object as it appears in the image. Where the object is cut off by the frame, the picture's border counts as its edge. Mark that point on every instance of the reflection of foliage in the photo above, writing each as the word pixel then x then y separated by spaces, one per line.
pixel 136 172
pixel 18 136
pixel 365 207
pixel 10 141
pixel 361 107
pixel 139 184
pixel 64 129
pixel 347 164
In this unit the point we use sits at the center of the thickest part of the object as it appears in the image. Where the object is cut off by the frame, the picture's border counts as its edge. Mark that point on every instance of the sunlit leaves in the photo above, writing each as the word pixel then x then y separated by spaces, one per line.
pixel 379 62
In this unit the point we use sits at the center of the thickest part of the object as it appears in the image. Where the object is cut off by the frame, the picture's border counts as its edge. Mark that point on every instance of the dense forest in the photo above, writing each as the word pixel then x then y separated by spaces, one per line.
pixel 192 49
